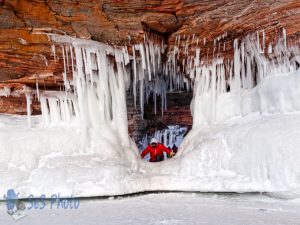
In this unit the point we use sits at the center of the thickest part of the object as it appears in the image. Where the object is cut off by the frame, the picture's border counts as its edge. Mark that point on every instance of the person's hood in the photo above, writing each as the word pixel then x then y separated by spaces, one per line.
pixel 153 140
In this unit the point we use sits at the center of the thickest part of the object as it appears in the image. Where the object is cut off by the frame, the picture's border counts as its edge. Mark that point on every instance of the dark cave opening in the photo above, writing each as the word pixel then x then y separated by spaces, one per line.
pixel 174 123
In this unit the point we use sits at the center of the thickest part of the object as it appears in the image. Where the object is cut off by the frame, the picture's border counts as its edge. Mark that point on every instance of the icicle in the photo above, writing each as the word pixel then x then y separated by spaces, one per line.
pixel 270 49
pixel 148 62
pixel 284 38
pixel 165 135
pixel 264 41
pixel 67 58
pixel 28 103
pixel 237 66
pixel 45 110
pixel 72 64
pixel 54 109
pixel 143 58
pixel 135 77
pixel 258 43
pixel 152 57
pixel 142 97
pixel 37 89
pixel 65 69
pixel 155 94
pixel 126 55
pixel 53 52
pixel 243 65
pixel 213 94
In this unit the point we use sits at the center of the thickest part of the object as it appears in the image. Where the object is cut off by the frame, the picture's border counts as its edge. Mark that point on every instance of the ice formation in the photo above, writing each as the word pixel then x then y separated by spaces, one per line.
pixel 244 136
pixel 95 96
pixel 225 89
pixel 245 121
pixel 94 72
pixel 169 136
pixel 92 106
pixel 151 75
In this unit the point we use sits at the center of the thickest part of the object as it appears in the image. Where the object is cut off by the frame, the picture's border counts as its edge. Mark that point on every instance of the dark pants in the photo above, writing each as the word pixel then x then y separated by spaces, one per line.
pixel 159 158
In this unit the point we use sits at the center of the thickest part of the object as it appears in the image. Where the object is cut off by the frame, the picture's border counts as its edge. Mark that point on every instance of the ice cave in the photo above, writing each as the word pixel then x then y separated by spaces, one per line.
pixel 79 103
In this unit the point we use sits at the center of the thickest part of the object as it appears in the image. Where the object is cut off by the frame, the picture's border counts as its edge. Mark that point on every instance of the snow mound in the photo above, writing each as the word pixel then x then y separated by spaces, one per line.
pixel 250 154
pixel 254 153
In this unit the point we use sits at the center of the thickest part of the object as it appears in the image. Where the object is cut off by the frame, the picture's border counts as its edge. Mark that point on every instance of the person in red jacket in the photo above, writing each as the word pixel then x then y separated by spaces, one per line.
pixel 156 151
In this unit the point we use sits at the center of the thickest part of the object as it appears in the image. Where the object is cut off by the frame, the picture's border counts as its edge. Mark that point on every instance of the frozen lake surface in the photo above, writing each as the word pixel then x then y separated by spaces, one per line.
pixel 169 208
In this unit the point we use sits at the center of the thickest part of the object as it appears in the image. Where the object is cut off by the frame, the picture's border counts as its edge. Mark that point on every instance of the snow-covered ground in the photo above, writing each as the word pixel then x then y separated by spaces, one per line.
pixel 168 209
pixel 247 154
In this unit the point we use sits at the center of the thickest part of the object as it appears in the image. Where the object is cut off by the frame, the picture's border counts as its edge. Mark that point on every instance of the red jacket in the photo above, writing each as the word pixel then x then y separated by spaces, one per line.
pixel 160 148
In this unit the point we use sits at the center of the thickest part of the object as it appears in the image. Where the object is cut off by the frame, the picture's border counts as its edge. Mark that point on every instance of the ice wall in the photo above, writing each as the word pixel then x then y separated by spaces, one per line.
pixel 225 89
pixel 81 144
pixel 254 153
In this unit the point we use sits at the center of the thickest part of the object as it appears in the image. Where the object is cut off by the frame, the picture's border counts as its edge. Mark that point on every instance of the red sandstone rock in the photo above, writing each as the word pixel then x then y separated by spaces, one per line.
pixel 160 22
pixel 24 53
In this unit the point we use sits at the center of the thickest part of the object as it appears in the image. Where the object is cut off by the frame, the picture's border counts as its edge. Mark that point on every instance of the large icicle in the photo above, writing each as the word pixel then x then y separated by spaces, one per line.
pixel 28 103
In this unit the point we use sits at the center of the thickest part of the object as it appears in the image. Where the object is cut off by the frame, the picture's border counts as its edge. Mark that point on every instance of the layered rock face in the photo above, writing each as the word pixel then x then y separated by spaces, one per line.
pixel 25 49
pixel 25 52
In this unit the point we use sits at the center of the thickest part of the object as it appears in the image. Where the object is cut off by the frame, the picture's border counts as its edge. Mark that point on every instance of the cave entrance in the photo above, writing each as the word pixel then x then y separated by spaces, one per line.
pixel 171 137
pixel 168 128
pixel 164 93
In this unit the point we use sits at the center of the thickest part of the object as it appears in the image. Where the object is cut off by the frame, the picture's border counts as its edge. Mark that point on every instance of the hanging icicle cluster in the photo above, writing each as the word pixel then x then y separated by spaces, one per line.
pixel 95 96
pixel 220 89
pixel 96 77
pixel 152 76
pixel 148 77
pixel 101 74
